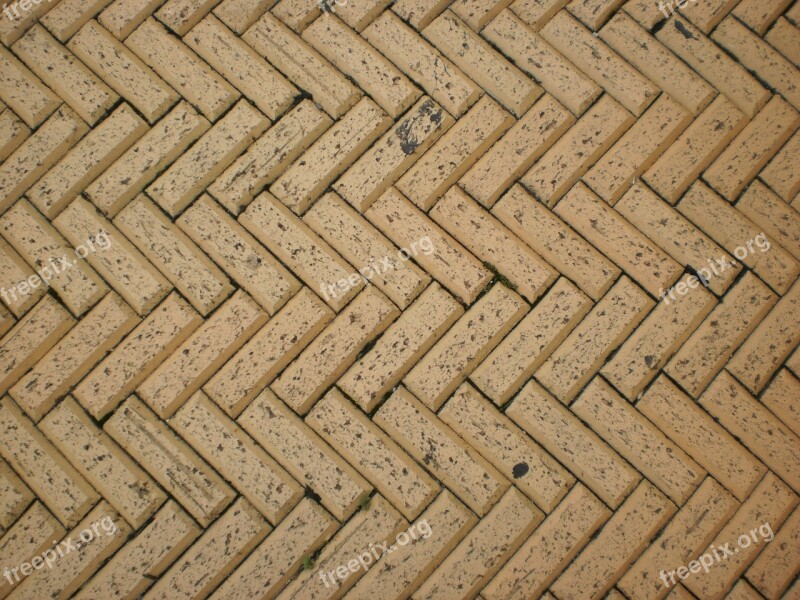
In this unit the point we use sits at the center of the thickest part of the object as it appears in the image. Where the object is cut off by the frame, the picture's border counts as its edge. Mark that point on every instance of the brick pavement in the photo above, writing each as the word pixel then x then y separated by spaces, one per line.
pixel 283 280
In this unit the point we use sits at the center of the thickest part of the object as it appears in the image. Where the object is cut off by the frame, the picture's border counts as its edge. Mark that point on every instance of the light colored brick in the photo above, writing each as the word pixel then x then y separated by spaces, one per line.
pixel 121 17
pixel 762 206
pixel 12 133
pixel 779 398
pixel 14 270
pixel 180 16
pixel 759 15
pixel 776 566
pixel 16 497
pixel 23 91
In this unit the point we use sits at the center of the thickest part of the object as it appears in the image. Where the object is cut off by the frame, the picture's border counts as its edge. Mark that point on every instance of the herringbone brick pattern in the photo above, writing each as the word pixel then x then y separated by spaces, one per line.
pixel 400 299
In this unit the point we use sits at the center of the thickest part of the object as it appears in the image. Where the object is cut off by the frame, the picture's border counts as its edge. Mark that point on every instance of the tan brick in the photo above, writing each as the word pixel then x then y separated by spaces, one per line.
pixel 779 395
pixel 238 15
pixel 68 16
pixel 454 153
pixel 180 16
pixel 194 361
pixel 780 174
pixel 707 15
pixel 268 156
pixel 482 63
pixel 577 150
pixel 393 473
pixel 536 13
pixel 129 489
pixel 375 257
pixel 33 336
pixel 578 358
pixel 419 13
pixel 510 450
pixel 485 550
pixel 172 462
pixel 741 414
pixel 776 566
pixel 302 64
pixel 516 151
pixel 70 571
pixel 720 70
pixel 175 255
pixel 449 263
pixel 562 434
pixel 74 355
pixel 279 557
pixel 16 496
pixel 423 63
pixel 181 68
pixel 771 503
pixel 81 89
pixel 552 547
pixel 123 16
pixel 239 254
pixel 617 545
pixel 636 439
pixel 550 237
pixel 760 15
pixel 211 558
pixel 307 255
pixel 529 344
pixel 593 13
pixel 119 262
pixel 145 557
pixel 477 14
pixel 785 37
pixel 13 271
pixel 659 336
pixel 359 15
pixel 700 437
pixel 309 459
pixel 399 574
pixel 23 91
pixel 602 226
pixel 38 153
pixel 147 346
pixel 122 70
pixel 465 345
pixel 695 149
pixel 693 527
pixel 423 435
pixel 54 481
pixel 334 350
pixel 297 14
pixel 741 161
pixel 406 340
pixel 159 147
pixel 12 133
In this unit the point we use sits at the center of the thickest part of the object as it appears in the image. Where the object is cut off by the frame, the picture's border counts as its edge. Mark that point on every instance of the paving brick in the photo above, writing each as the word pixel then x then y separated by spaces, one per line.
pixel 302 64
pixel 695 149
pixel 15 499
pixel 180 16
pixel 577 150
pixel 419 13
pixel 174 254
pixel 531 342
pixel 477 14
pixel 334 350
pixel 43 468
pixel 465 345
pixel 68 16
pixel 536 13
pixel 170 461
pixel 279 557
pixel 617 545
pixel 784 37
pixel 552 547
pixel 24 93
pixel 238 15
pixel 359 15
pixel 759 15
pixel 423 63
pixel 562 434
pixel 194 361
pixel 720 70
pixel 221 442
pixel 12 133
pixel 377 457
pixel 122 70
pixel 268 352
pixel 145 557
pixel 239 254
pixel 697 522
pixel 638 441
pixel 482 63
pixel 303 182
pixel 121 17
pixel 778 398
pixel 485 550
pixel 706 16
pixel 372 254
pixel 74 355
pixel 516 151
pixel 13 270
pixel 554 241
pixel 137 167
pixel 401 573
pixel 454 153
pixel 423 435
pixel 780 173
pixel 700 437
pixel 181 68
pixel 593 13
pixel 297 14
pixel 774 569
pixel 146 347
pixel 103 463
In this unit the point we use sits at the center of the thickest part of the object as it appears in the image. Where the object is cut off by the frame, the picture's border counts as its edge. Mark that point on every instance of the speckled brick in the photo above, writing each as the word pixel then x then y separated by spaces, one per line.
pixel 121 17
pixel 785 37
pixel 419 13
pixel 780 397
pixel 759 14
pixel 12 133
pixel 65 18
pixel 781 173
pixel 238 15
pixel 23 91
pixel 182 15
pixel 13 270
pixel 775 567
pixel 16 497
